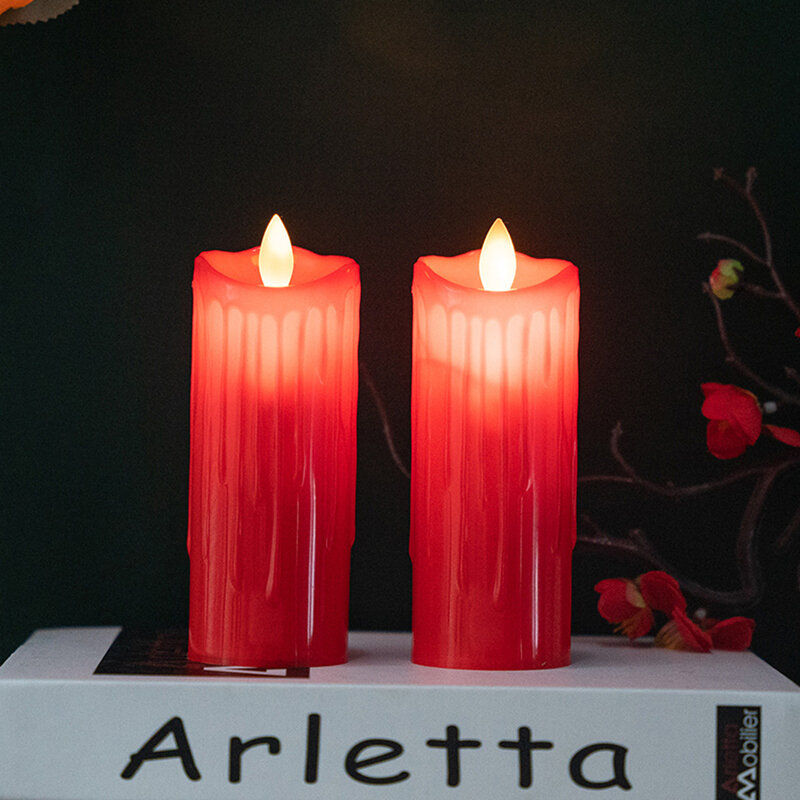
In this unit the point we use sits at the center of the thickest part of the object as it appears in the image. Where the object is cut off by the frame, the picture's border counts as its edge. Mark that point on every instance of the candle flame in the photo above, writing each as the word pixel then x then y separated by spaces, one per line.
pixel 498 262
pixel 275 258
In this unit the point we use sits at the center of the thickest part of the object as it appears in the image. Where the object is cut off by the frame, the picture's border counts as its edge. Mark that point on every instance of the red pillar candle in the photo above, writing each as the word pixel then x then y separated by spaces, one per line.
pixel 493 480
pixel 273 455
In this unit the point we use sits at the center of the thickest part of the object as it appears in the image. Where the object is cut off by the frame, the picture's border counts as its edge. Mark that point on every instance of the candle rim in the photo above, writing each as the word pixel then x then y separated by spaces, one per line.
pixel 331 264
pixel 563 271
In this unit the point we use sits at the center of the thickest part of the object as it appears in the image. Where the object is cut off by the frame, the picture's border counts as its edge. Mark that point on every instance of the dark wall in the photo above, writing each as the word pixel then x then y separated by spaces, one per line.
pixel 137 134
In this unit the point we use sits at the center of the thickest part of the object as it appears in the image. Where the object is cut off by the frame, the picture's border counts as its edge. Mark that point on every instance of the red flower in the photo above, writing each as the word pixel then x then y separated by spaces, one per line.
pixel 734 419
pixel 681 633
pixel 630 604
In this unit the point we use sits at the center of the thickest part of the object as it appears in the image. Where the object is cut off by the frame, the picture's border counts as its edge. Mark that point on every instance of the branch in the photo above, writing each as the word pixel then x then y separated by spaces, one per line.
pixel 717 237
pixel 733 358
pixel 759 291
pixel 635 544
pixel 792 527
pixel 632 478
pixel 746 192
pixel 387 428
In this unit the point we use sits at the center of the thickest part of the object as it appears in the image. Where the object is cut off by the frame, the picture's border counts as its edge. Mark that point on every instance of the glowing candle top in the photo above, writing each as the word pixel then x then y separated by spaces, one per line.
pixel 275 258
pixel 497 265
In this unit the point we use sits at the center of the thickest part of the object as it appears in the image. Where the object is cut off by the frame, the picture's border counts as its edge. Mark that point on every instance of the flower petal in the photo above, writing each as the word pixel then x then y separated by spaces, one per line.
pixel 661 591
pixel 680 633
pixel 613 603
pixel 735 633
pixel 785 435
pixel 724 440
pixel 638 625
pixel 717 404
pixel 710 388
pixel 737 406
pixel 746 413
pixel 621 601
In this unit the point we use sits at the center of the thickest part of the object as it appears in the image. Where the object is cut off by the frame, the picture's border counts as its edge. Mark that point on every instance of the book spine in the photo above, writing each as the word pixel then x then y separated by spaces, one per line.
pixel 117 740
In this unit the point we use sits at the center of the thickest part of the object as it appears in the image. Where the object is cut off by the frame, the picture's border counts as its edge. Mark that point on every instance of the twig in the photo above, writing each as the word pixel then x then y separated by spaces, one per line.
pixel 759 291
pixel 668 489
pixel 635 543
pixel 387 428
pixel 746 192
pixel 717 237
pixel 792 527
pixel 750 179
pixel 733 358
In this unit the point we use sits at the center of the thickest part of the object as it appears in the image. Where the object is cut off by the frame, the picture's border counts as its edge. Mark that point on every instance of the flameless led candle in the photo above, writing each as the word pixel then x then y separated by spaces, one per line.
pixel 493 479
pixel 273 454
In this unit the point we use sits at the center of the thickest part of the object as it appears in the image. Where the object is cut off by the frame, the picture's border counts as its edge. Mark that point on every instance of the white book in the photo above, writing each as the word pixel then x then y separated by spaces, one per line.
pixel 100 714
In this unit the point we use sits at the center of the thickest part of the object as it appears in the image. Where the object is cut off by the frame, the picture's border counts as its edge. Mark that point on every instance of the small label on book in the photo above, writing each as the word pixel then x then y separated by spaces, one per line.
pixel 164 653
pixel 738 752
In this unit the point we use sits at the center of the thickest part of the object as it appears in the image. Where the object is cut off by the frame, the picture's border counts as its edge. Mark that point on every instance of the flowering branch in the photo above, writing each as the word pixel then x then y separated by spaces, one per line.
pixel 734 424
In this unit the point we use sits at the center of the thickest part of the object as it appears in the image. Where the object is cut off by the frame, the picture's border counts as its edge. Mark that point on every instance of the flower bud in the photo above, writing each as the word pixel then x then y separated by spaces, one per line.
pixel 726 277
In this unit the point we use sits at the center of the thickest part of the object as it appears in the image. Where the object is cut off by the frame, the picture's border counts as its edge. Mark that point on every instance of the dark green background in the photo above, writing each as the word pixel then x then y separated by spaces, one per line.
pixel 137 134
